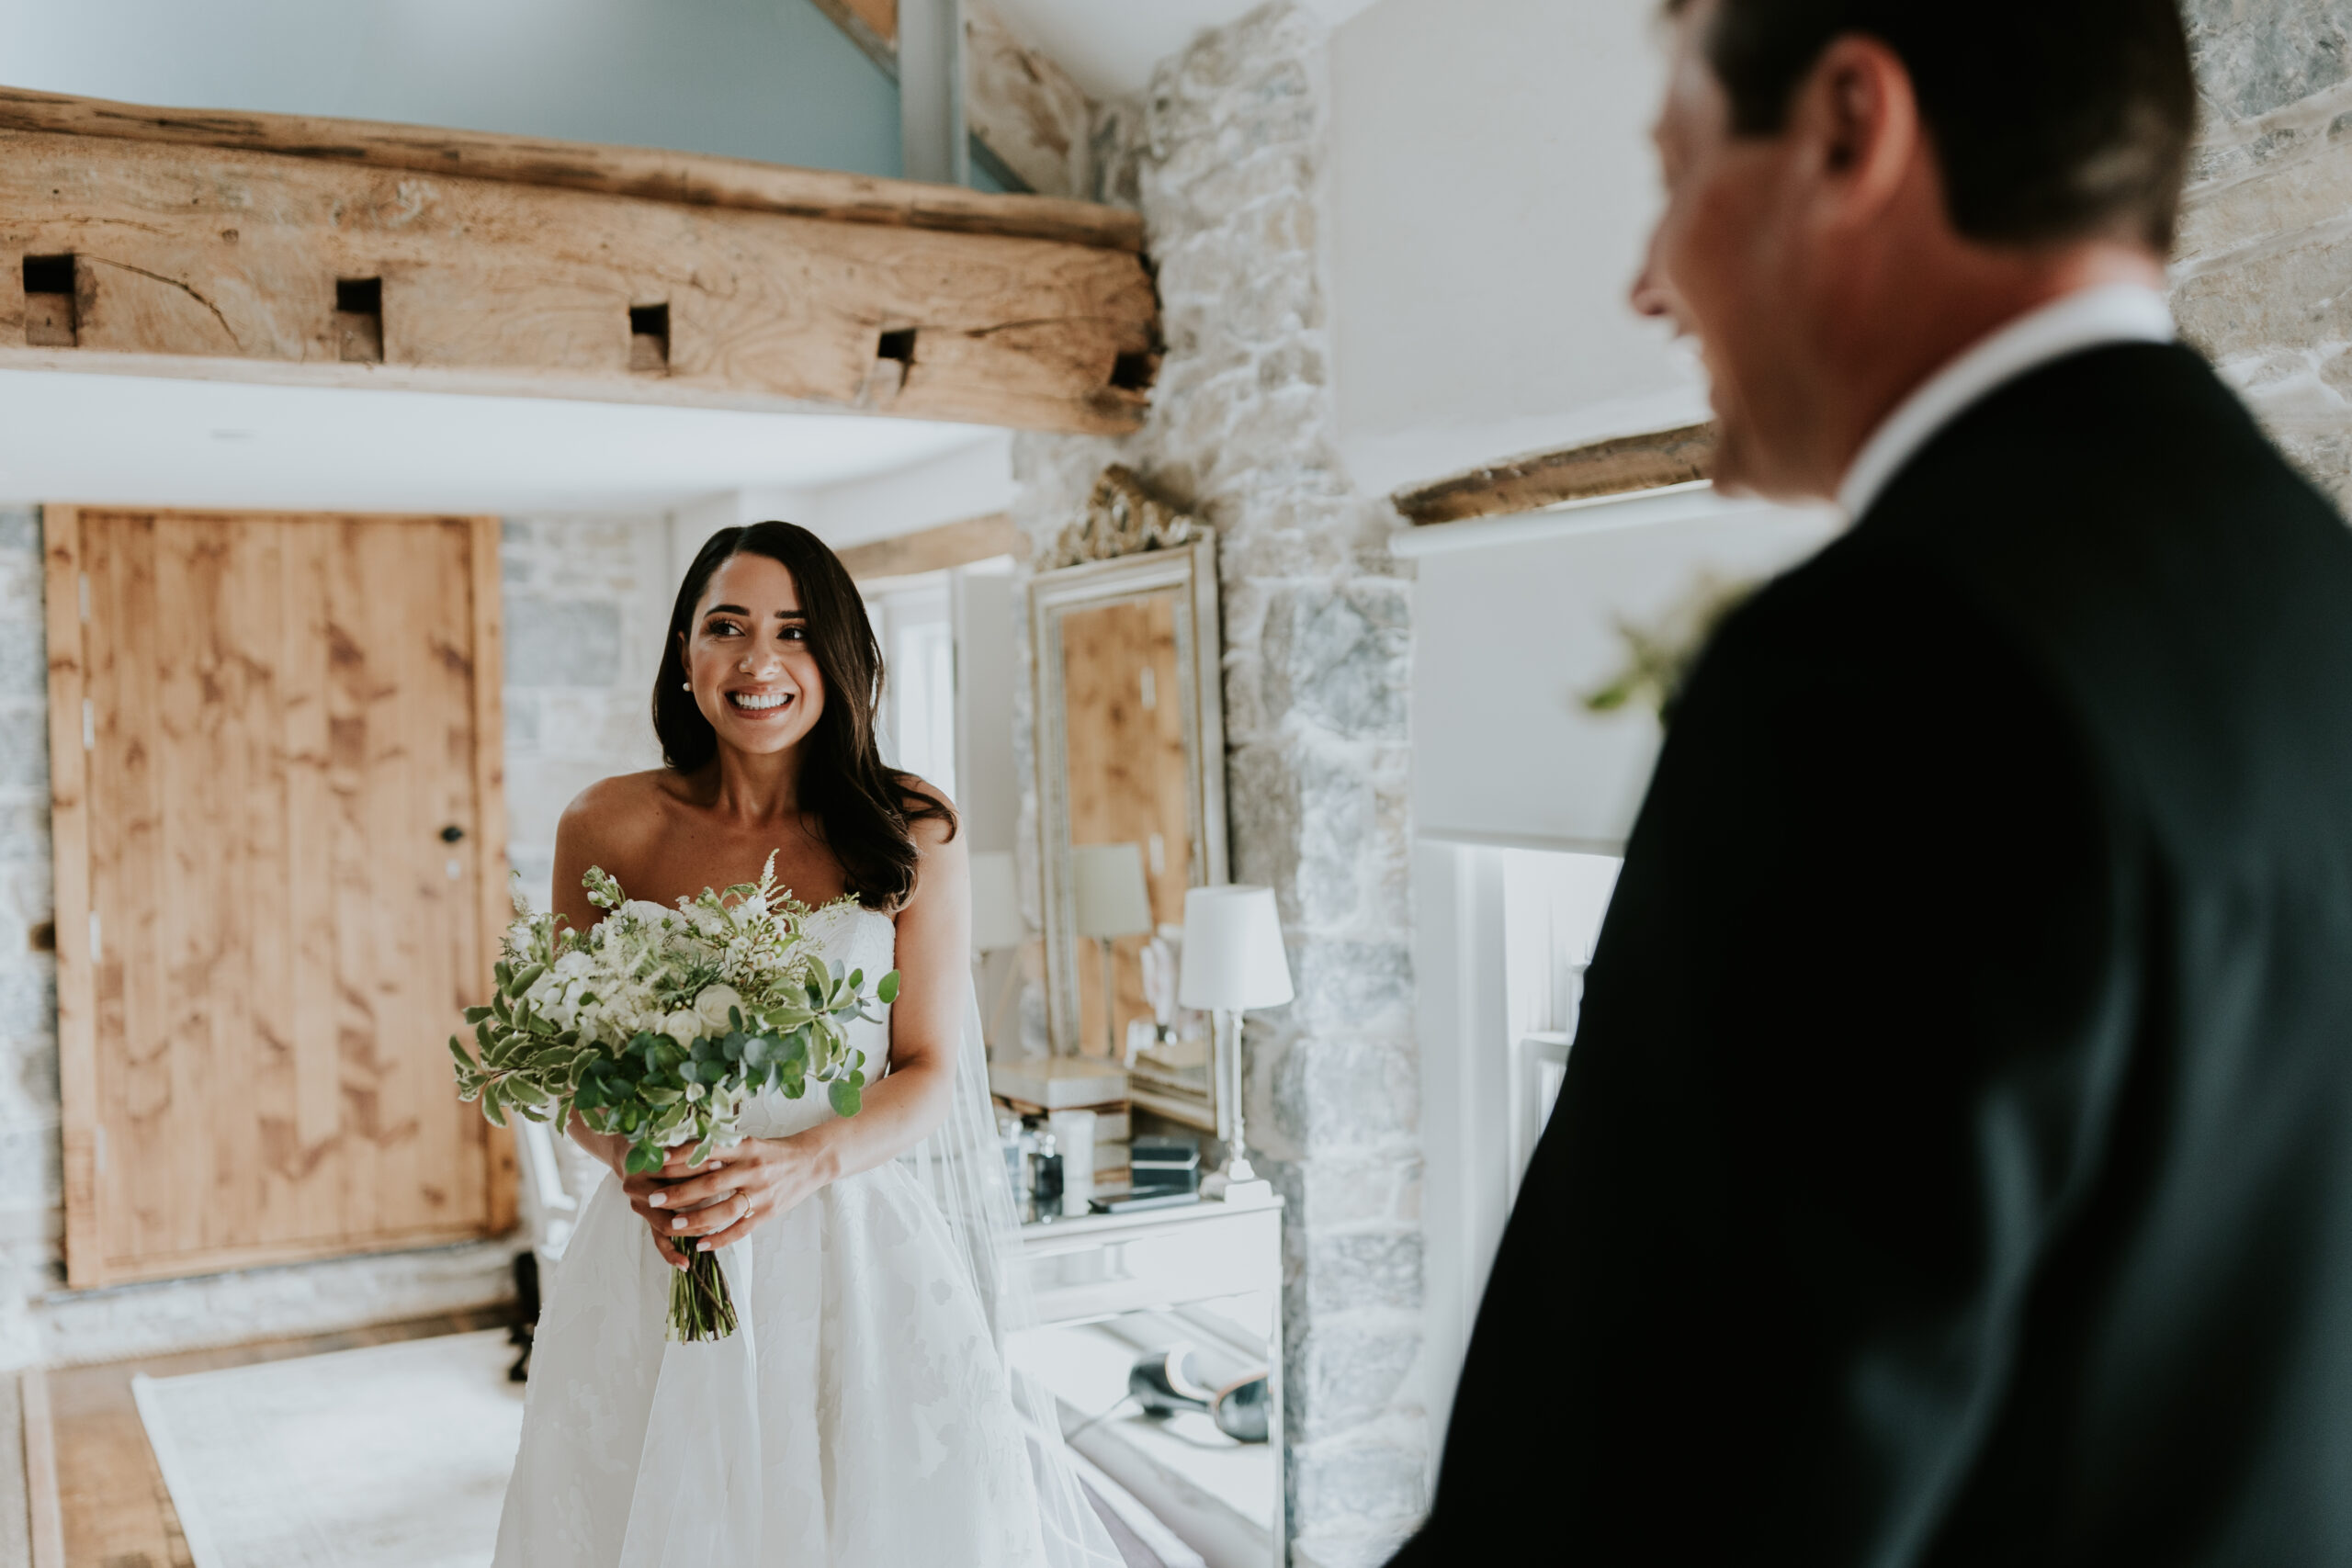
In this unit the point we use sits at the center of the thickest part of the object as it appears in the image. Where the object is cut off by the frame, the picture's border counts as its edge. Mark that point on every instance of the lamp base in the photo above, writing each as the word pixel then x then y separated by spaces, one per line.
pixel 1238 1184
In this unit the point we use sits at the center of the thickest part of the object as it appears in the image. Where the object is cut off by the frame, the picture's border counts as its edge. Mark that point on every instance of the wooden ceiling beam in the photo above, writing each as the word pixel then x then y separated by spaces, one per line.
pixel 1623 465
pixel 696 179
pixel 335 257
pixel 937 550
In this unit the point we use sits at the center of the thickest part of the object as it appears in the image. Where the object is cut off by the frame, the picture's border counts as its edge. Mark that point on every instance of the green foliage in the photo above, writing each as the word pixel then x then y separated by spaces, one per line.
pixel 1660 657
pixel 553 1041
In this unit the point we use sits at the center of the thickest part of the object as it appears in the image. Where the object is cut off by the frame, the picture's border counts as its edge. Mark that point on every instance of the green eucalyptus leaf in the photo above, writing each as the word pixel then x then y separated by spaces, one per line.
pixel 887 991
pixel 845 1097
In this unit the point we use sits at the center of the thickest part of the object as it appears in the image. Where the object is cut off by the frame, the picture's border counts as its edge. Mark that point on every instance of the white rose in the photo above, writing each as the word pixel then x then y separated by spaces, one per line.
pixel 713 1004
pixel 682 1026
pixel 647 910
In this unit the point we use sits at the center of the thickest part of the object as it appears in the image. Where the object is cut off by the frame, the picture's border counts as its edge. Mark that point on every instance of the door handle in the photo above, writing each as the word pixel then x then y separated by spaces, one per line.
pixel 452 833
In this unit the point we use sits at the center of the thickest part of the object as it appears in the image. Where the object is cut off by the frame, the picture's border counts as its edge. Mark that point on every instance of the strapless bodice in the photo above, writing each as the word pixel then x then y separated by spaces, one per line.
pixel 859 937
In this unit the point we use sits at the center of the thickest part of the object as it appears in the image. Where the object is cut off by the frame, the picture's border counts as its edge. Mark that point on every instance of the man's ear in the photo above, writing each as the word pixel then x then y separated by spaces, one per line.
pixel 1857 118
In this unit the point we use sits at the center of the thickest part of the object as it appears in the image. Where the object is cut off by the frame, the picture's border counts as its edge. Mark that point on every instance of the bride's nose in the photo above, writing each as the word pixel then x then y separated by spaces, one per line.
pixel 761 662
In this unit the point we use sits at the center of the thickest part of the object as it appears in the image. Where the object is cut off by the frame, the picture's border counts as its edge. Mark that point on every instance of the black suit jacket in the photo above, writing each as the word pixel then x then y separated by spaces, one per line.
pixel 1954 1164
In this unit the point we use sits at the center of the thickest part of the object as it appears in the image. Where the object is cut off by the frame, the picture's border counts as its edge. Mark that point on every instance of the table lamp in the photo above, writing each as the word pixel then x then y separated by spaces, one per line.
pixel 996 902
pixel 996 924
pixel 1112 901
pixel 1233 962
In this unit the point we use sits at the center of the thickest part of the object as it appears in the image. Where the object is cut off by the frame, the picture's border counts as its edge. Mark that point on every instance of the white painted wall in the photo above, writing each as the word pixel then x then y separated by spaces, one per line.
pixel 768 79
pixel 1492 186
pixel 1512 634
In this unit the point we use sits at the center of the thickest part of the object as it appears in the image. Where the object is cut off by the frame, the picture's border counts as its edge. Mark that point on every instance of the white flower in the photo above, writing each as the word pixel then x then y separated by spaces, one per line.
pixel 713 1004
pixel 574 964
pixel 645 909
pixel 682 1026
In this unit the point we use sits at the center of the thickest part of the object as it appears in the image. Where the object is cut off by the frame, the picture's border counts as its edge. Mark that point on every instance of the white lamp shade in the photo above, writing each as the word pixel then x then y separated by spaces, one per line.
pixel 1233 950
pixel 1112 899
pixel 996 902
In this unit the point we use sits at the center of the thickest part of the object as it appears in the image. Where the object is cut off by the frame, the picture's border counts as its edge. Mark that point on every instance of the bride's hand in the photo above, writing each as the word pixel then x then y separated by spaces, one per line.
pixel 717 1203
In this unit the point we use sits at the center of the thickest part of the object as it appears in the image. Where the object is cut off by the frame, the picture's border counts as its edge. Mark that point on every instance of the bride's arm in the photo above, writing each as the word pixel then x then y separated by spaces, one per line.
pixel 761 1178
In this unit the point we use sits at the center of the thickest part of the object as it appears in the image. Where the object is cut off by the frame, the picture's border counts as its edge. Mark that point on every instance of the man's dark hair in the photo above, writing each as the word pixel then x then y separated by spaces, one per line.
pixel 2052 120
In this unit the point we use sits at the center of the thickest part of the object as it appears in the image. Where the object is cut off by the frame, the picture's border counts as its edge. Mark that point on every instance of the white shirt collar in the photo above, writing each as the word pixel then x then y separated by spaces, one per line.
pixel 2111 312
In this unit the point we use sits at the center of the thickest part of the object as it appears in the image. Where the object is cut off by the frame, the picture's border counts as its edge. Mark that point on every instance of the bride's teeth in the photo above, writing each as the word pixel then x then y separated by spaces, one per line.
pixel 751 700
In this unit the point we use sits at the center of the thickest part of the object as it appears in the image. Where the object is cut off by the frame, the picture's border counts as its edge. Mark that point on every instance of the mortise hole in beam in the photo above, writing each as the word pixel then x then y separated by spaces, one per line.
pixel 359 319
pixel 649 337
pixel 49 321
pixel 1135 372
pixel 897 344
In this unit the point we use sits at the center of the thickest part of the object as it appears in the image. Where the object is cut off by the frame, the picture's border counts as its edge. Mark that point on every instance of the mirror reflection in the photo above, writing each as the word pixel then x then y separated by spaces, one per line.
pixel 1130 768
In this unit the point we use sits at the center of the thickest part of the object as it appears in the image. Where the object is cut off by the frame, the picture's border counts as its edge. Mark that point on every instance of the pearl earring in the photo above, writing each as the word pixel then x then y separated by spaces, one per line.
pixel 686 685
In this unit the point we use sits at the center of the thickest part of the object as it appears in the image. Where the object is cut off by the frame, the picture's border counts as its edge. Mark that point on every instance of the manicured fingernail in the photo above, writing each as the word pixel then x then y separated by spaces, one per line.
pixel 702 1246
pixel 657 1200
pixel 678 1223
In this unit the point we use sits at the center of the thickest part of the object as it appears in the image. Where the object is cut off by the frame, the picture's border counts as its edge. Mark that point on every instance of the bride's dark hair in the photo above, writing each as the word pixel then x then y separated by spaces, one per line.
pixel 865 810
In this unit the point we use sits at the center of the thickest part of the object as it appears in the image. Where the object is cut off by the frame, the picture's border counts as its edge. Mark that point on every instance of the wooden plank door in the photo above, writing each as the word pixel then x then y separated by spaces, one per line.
pixel 281 874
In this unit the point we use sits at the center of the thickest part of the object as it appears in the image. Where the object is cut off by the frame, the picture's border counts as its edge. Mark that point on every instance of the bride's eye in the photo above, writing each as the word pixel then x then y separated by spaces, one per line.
pixel 724 628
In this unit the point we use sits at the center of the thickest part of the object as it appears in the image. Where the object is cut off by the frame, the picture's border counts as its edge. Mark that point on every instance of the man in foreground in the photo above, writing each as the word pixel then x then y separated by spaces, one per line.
pixel 1955 1160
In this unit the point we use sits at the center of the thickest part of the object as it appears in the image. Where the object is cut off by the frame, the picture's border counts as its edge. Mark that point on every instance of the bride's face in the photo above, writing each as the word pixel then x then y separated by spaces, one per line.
pixel 755 675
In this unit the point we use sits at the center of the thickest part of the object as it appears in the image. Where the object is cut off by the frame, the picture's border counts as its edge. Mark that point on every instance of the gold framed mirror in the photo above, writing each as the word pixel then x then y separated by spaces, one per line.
pixel 1130 756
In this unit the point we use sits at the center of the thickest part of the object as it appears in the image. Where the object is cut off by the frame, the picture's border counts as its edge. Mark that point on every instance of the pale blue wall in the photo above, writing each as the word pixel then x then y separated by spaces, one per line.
pixel 767 79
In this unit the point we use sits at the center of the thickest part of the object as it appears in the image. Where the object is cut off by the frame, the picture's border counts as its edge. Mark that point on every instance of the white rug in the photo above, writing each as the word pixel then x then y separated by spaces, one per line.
pixel 391 1457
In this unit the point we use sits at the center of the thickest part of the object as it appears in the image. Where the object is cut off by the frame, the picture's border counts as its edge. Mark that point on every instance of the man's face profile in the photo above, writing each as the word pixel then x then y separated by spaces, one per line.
pixel 1714 252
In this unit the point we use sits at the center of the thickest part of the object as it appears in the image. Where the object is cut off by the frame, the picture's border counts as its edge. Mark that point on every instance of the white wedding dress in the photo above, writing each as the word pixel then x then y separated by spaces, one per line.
pixel 861 1415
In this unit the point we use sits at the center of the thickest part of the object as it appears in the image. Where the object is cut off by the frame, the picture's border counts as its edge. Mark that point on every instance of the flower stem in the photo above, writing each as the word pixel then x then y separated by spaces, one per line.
pixel 700 1307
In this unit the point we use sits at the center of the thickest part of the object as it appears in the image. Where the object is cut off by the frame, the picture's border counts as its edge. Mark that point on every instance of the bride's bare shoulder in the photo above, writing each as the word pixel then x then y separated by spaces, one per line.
pixel 615 816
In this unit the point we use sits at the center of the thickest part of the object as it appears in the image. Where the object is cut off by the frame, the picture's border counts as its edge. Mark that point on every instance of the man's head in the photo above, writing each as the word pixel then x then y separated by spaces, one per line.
pixel 1857 189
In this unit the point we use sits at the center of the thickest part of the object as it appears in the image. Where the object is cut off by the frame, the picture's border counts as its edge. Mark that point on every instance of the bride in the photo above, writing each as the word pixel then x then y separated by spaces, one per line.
pixel 862 1414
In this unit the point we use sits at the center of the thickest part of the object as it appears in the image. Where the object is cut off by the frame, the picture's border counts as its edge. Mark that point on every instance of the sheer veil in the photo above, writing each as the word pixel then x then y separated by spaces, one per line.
pixel 962 1165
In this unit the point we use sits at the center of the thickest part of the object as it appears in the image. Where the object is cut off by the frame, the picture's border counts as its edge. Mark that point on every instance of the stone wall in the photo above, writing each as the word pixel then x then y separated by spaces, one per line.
pixel 2262 281
pixel 1225 159
pixel 30 1223
pixel 586 603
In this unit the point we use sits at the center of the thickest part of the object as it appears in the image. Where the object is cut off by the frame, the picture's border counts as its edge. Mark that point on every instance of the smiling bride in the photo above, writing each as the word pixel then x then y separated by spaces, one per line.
pixel 863 1415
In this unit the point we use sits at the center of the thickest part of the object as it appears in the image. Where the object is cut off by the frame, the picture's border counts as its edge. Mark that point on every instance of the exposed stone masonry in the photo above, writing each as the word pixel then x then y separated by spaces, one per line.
pixel 2262 281
pixel 1223 158
pixel 31 1222
pixel 587 603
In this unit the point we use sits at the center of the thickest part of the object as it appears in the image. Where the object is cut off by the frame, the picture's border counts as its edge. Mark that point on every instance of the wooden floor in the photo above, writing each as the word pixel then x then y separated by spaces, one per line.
pixel 115 1511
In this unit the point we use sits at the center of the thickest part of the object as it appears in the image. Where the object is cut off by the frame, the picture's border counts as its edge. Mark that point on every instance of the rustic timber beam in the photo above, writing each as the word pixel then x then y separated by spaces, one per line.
pixel 1030 120
pixel 693 178
pixel 1621 466
pixel 320 264
pixel 937 550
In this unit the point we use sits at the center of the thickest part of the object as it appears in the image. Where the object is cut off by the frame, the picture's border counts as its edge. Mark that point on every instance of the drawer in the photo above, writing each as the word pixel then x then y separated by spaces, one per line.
pixel 1098 1272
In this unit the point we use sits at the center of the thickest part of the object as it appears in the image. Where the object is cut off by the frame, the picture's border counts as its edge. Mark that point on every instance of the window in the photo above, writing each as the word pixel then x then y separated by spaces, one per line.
pixel 917 717
pixel 1552 905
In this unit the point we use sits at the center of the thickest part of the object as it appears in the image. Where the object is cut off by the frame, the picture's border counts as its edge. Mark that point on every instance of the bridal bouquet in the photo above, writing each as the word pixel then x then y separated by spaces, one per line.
pixel 660 1025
